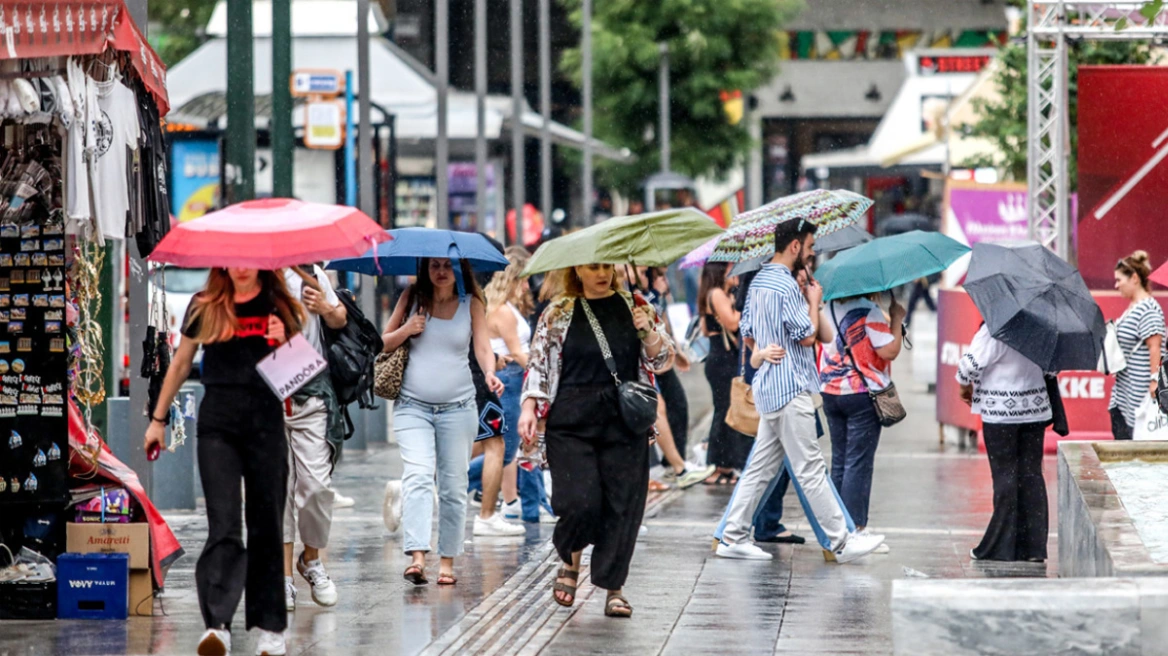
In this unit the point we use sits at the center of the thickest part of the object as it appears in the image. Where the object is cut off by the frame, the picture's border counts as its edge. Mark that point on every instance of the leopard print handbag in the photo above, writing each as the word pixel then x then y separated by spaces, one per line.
pixel 388 371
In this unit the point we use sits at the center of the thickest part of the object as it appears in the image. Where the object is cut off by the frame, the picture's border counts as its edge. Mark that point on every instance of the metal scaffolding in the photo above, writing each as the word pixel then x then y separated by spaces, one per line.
pixel 1053 24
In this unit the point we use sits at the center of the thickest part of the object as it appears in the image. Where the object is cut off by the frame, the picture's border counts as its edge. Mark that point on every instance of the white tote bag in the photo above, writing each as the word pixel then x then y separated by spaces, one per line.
pixel 1112 359
pixel 1151 423
pixel 291 366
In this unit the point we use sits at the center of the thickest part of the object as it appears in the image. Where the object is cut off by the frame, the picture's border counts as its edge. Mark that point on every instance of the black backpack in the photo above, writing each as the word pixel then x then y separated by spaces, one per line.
pixel 351 352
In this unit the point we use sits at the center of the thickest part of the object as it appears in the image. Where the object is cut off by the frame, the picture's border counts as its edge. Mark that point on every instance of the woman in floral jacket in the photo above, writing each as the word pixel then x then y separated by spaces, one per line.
pixel 600 470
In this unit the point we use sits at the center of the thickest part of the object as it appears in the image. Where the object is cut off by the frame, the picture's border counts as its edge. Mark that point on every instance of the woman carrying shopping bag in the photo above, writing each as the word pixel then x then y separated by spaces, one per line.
pixel 1140 332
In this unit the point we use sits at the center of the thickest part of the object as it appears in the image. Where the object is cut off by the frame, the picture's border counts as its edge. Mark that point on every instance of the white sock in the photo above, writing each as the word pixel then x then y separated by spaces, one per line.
pixel 288 580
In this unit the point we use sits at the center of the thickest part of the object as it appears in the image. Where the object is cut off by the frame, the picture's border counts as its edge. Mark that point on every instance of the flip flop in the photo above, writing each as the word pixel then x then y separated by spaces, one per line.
pixel 565 573
pixel 446 579
pixel 658 486
pixel 416 574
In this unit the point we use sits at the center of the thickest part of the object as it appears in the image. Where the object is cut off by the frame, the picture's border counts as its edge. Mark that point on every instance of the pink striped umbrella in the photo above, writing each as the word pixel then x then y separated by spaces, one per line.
pixel 271 233
pixel 698 256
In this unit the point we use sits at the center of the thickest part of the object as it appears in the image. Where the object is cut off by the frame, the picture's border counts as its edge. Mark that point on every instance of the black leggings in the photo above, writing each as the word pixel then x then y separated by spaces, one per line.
pixel 676 409
pixel 242 437
pixel 1119 428
pixel 1019 526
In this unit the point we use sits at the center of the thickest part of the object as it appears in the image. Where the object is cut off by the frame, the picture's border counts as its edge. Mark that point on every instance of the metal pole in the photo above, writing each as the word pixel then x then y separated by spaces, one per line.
pixel 480 145
pixel 1062 240
pixel 517 160
pixel 586 90
pixel 754 190
pixel 241 138
pixel 374 422
pixel 545 108
pixel 442 66
pixel 283 146
pixel 663 105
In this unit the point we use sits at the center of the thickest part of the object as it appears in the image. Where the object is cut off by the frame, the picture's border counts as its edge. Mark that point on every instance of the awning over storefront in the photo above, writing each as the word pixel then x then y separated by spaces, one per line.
pixel 79 27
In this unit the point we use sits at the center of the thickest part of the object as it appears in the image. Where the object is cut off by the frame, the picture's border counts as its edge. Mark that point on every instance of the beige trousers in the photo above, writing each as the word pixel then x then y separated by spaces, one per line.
pixel 309 505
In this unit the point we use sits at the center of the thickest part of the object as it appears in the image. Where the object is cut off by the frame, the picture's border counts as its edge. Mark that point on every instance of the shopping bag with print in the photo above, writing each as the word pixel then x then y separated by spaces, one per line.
pixel 291 366
pixel 1151 422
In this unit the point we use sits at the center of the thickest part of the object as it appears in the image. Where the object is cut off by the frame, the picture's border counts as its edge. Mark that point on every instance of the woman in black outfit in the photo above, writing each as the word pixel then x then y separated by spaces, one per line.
pixel 728 449
pixel 238 319
pixel 600 471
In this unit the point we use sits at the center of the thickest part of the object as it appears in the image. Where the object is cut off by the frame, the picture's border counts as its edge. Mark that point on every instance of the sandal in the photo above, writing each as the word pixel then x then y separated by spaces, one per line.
pixel 658 486
pixel 722 479
pixel 569 590
pixel 445 578
pixel 416 574
pixel 617 606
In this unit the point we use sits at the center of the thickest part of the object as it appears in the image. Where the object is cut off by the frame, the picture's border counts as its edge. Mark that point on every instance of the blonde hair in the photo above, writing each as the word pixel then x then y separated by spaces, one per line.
pixel 214 307
pixel 1137 264
pixel 509 285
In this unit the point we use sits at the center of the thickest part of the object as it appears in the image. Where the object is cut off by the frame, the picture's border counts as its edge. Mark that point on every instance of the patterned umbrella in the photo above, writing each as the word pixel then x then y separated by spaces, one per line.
pixel 698 256
pixel 751 235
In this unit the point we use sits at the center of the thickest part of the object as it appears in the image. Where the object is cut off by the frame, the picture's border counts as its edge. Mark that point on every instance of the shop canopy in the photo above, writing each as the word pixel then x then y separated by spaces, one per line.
pixel 79 27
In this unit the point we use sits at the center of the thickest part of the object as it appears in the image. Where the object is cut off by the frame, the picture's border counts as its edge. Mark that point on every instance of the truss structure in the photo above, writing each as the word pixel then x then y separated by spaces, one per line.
pixel 1052 24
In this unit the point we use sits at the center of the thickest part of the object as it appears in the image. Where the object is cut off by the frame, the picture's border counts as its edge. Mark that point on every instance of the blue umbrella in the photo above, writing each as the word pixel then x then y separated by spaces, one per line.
pixel 400 256
pixel 887 262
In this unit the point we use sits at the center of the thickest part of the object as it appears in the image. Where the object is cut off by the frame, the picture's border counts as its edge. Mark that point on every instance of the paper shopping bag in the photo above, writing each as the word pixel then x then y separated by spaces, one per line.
pixel 1151 424
pixel 291 366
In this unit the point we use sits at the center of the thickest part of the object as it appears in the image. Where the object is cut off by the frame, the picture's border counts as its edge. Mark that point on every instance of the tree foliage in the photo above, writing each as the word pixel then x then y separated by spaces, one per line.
pixel 1003 121
pixel 176 27
pixel 714 45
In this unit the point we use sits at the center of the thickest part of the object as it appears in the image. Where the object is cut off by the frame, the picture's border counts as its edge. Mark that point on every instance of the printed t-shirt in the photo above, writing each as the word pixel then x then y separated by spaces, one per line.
pixel 863 324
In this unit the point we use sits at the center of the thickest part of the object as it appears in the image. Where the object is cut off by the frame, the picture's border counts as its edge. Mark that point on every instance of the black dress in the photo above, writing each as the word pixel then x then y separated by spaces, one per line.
pixel 728 448
pixel 600 470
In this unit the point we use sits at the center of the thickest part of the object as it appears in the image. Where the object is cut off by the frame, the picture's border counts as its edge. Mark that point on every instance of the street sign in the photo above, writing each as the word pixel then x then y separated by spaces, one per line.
pixel 317 82
pixel 324 124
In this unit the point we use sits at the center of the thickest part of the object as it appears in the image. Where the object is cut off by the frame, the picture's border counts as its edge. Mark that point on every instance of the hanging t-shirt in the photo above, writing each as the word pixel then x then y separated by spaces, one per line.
pixel 863 324
pixel 76 177
pixel 115 131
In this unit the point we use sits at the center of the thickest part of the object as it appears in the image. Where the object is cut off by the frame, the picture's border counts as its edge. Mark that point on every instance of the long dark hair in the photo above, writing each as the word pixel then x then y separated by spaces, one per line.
pixel 422 291
pixel 713 277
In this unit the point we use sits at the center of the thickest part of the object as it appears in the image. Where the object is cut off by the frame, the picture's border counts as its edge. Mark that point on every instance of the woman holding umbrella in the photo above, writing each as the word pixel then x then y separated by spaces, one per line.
pixel 1141 337
pixel 599 468
pixel 435 419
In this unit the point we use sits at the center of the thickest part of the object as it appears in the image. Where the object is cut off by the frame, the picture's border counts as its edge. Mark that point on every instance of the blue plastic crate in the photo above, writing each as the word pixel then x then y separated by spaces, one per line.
pixel 93 586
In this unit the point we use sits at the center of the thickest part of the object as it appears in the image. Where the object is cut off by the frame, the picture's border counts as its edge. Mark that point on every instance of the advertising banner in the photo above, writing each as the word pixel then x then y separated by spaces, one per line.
pixel 977 212
pixel 194 177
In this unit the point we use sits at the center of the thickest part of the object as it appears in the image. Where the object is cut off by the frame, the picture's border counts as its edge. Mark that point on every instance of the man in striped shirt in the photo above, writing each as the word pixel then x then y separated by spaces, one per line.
pixel 782 321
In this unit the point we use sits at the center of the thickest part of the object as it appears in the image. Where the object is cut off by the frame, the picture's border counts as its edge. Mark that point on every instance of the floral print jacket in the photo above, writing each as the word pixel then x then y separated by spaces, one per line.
pixel 543 370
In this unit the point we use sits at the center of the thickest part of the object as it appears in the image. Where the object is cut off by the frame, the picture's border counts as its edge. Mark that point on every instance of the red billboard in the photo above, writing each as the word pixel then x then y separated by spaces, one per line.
pixel 1123 172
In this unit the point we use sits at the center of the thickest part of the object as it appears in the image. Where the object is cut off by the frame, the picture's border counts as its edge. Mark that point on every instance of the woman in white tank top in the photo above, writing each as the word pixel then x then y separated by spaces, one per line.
pixel 435 420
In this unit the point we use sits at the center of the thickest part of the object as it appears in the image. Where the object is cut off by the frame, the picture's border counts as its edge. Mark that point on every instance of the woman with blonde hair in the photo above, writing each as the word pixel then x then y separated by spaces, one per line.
pixel 1141 337
pixel 599 466
pixel 238 318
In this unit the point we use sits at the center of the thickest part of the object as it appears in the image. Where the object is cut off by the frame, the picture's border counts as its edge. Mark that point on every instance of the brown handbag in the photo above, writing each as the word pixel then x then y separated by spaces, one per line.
pixel 742 415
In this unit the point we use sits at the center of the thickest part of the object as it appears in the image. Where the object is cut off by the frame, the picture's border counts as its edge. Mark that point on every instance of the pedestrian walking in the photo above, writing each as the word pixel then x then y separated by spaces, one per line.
pixel 920 292
pixel 1009 392
pixel 309 417
pixel 435 418
pixel 1141 337
pixel 855 360
pixel 599 467
pixel 237 319
pixel 727 448
pixel 783 321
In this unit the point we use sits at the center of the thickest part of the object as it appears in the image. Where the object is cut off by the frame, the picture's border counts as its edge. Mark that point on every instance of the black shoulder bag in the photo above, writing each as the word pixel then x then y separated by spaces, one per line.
pixel 638 401
pixel 889 410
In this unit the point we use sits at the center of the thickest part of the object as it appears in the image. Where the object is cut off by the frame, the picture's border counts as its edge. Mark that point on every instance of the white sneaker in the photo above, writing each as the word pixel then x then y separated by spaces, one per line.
pixel 289 594
pixel 324 591
pixel 342 501
pixel 391 506
pixel 513 511
pixel 271 644
pixel 496 526
pixel 693 475
pixel 742 551
pixel 882 549
pixel 215 642
pixel 546 517
pixel 858 546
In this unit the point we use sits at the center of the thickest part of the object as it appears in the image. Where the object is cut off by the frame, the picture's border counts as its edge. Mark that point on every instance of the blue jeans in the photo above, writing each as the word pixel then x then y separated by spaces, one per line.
pixel 434 439
pixel 855 434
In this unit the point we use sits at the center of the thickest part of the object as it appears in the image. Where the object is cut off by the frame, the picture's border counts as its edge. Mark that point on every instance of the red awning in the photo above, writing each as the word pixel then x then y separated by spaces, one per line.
pixel 79 27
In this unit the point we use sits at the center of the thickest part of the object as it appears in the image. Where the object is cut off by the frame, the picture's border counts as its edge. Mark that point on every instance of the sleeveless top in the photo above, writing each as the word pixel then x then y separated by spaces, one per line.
pixel 522 327
pixel 438 371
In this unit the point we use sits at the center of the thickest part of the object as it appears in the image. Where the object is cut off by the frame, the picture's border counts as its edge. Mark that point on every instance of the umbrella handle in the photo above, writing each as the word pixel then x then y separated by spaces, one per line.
pixel 309 280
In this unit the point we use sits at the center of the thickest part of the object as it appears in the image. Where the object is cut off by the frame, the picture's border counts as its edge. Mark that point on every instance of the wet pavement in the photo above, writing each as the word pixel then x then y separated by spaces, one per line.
pixel 932 501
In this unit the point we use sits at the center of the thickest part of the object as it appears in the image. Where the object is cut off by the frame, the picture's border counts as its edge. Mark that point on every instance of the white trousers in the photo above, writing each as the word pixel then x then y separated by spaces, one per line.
pixel 309 505
pixel 789 432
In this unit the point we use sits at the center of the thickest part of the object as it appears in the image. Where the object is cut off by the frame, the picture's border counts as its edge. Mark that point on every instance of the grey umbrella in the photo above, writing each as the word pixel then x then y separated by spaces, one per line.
pixel 1037 304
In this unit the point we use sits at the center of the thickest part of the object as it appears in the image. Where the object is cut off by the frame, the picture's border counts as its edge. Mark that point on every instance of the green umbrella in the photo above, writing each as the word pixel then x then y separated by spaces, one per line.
pixel 656 239
pixel 887 262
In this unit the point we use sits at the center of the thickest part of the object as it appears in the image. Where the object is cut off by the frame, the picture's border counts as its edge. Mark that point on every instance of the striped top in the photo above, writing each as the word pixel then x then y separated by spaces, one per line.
pixel 777 313
pixel 1141 321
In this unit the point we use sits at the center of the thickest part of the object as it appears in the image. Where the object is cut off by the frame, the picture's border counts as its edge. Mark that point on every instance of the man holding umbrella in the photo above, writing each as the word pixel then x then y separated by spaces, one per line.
pixel 780 317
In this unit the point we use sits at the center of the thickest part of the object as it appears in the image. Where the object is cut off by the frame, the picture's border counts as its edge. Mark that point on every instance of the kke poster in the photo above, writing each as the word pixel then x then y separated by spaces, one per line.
pixel 194 173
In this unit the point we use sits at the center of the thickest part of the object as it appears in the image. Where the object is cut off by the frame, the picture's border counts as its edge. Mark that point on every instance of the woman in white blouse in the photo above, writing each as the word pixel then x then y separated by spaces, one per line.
pixel 1009 392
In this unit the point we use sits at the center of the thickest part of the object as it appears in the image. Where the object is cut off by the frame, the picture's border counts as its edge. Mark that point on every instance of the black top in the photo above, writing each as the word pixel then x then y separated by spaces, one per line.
pixel 583 362
pixel 233 362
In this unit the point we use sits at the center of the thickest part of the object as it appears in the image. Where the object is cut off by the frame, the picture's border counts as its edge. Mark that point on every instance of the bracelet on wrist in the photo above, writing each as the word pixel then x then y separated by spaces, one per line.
pixel 164 422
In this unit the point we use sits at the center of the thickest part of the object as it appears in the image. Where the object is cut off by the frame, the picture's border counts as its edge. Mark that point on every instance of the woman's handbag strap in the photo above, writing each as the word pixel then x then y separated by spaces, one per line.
pixel 609 361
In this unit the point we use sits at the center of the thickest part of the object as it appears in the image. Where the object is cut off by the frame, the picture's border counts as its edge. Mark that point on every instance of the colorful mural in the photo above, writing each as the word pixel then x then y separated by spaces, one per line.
pixel 886 44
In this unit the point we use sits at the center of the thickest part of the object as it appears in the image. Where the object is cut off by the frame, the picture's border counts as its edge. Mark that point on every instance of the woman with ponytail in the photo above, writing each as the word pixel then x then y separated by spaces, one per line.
pixel 1141 335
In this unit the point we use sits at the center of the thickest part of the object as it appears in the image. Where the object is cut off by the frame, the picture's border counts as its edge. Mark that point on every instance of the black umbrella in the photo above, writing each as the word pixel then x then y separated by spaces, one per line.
pixel 901 223
pixel 1036 303
pixel 842 239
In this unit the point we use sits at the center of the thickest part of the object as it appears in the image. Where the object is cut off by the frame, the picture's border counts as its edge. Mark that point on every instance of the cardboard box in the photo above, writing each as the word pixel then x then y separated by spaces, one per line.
pixel 141 592
pixel 132 539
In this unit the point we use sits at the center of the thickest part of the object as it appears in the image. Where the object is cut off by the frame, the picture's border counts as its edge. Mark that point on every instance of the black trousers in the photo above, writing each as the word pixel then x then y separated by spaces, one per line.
pixel 676 409
pixel 728 448
pixel 242 437
pixel 1019 526
pixel 600 480
pixel 1119 428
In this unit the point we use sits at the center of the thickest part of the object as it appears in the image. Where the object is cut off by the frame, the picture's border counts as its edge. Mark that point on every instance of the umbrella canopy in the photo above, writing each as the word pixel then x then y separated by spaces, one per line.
pixel 655 239
pixel 267 234
pixel 400 257
pixel 842 239
pixel 750 266
pixel 698 256
pixel 751 235
pixel 901 223
pixel 1037 304
pixel 887 262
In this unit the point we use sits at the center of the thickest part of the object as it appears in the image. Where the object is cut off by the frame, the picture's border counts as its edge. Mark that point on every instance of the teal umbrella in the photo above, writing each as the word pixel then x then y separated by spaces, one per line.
pixel 887 262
